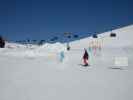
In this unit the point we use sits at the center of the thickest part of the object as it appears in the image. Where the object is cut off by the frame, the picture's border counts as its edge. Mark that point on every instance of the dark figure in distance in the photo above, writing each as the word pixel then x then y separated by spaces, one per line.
pixel 2 42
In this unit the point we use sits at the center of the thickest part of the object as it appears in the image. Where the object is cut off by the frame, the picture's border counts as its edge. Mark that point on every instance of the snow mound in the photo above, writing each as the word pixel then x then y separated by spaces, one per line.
pixel 29 50
pixel 57 47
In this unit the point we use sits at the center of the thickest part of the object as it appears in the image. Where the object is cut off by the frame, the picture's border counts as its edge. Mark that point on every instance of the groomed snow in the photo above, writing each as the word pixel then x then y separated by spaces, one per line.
pixel 29 72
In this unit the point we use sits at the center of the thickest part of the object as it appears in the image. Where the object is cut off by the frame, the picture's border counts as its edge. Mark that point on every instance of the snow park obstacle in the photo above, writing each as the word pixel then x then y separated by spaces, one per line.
pixel 95 46
pixel 2 42
pixel 120 63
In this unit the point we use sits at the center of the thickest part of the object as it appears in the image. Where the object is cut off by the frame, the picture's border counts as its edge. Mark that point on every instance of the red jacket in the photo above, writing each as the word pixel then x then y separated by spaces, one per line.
pixel 86 55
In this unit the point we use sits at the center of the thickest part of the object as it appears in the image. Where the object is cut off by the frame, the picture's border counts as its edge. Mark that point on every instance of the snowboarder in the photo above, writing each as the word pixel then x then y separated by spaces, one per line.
pixel 2 42
pixel 85 57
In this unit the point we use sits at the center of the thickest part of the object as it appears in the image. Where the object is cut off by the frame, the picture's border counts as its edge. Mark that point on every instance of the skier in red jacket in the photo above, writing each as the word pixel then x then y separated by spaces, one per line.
pixel 85 58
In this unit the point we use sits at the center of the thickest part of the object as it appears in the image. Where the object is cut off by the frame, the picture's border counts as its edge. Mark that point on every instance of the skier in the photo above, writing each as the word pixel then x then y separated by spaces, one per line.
pixel 85 57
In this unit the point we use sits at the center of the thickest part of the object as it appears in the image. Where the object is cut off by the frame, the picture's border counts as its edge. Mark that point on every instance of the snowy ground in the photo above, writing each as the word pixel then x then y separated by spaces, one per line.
pixel 36 73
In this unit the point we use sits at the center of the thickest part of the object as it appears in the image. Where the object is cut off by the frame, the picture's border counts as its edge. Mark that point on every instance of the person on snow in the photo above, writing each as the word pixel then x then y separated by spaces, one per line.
pixel 85 58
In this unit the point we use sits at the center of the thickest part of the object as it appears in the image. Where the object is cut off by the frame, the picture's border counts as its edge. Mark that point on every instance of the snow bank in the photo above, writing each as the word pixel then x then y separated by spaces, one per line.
pixel 19 50
pixel 57 47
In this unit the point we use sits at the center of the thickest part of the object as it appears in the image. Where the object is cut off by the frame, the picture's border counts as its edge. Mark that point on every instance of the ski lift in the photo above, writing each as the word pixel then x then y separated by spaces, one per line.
pixel 75 36
pixel 69 36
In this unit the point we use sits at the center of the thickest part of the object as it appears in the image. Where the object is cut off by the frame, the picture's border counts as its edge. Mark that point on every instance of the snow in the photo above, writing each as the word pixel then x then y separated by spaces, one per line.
pixel 29 72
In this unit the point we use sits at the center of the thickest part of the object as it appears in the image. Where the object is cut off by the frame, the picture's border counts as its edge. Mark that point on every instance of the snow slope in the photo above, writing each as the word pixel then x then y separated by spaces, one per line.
pixel 29 72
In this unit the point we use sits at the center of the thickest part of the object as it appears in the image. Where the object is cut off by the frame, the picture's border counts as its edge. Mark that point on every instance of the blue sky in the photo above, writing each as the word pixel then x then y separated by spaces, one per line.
pixel 36 19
